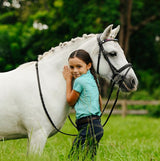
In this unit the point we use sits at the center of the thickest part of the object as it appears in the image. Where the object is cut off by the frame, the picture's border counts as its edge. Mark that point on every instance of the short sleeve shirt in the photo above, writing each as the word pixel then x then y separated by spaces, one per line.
pixel 88 102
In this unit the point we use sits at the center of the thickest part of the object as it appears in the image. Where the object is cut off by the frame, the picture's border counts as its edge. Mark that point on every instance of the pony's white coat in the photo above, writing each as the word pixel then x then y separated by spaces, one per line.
pixel 21 111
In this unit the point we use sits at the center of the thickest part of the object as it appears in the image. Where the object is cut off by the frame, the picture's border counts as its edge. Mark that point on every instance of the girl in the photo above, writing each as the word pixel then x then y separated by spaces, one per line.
pixel 85 98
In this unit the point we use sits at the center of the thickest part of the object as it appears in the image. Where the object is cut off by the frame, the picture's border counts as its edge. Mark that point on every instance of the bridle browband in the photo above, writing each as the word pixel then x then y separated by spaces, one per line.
pixel 116 78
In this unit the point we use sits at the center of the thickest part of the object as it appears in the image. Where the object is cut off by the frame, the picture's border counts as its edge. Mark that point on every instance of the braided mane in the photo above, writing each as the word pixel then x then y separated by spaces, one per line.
pixel 65 44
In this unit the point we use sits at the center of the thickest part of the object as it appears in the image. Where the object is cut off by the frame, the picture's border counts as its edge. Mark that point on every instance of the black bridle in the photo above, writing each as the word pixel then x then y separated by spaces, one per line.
pixel 116 72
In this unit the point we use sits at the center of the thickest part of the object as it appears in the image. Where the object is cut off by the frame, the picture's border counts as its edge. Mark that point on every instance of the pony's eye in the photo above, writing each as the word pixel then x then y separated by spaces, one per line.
pixel 113 53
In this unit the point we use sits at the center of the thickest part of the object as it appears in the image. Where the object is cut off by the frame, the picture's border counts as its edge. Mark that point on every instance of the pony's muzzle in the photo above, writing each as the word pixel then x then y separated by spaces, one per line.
pixel 129 84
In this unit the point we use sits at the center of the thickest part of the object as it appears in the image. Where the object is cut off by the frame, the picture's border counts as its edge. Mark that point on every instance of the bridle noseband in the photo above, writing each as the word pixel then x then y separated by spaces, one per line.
pixel 116 77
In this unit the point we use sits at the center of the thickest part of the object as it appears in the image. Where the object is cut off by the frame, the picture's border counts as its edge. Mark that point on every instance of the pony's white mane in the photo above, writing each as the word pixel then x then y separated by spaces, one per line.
pixel 65 44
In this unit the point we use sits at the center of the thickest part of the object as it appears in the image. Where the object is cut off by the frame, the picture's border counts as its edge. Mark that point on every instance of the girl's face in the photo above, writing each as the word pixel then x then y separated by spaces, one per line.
pixel 78 67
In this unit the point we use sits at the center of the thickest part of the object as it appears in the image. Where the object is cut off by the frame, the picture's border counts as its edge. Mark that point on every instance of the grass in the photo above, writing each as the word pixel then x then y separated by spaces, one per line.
pixel 134 138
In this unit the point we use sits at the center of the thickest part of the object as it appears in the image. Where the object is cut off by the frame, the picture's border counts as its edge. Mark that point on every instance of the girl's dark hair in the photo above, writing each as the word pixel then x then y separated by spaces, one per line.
pixel 84 56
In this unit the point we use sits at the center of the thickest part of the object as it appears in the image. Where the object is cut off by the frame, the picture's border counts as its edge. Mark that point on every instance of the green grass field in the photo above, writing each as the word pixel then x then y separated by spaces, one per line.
pixel 134 138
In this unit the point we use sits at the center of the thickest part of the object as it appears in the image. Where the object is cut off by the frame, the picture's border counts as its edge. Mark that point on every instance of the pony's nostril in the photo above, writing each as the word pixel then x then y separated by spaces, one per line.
pixel 133 82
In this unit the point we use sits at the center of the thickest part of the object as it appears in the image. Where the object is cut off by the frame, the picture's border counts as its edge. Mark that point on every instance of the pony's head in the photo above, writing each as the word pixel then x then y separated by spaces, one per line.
pixel 111 63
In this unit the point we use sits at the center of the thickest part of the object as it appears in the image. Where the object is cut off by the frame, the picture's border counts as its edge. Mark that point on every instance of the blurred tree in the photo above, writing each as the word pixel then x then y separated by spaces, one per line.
pixel 127 27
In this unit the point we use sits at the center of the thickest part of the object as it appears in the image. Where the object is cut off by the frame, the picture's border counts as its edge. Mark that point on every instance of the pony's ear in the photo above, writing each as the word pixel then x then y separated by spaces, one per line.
pixel 106 32
pixel 114 32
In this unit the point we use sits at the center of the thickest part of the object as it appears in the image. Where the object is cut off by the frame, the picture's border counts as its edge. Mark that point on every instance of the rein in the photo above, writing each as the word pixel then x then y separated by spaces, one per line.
pixel 44 106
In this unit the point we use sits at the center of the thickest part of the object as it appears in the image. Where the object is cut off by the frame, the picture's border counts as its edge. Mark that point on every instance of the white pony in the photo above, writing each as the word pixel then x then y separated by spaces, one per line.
pixel 21 111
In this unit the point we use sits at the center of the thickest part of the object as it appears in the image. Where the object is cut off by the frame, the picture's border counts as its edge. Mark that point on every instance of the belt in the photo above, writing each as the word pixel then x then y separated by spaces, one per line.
pixel 87 119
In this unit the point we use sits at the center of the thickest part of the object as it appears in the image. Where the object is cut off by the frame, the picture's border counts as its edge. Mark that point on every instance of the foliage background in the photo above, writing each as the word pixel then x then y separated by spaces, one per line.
pixel 61 20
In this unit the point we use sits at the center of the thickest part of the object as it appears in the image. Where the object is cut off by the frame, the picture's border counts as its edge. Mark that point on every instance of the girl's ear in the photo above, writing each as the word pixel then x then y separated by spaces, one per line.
pixel 89 65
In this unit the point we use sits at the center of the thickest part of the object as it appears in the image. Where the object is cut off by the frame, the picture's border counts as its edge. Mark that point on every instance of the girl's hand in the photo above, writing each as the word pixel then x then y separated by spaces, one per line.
pixel 66 73
pixel 71 95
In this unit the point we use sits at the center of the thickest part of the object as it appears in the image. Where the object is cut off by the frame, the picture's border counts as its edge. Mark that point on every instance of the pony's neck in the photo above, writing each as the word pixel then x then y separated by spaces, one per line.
pixel 58 57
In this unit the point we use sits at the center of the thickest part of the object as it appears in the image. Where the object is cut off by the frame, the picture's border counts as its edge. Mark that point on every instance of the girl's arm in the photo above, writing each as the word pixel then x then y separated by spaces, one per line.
pixel 71 95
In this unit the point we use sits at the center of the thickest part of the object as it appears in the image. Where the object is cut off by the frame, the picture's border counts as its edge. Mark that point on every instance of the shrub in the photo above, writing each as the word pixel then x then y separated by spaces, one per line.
pixel 154 111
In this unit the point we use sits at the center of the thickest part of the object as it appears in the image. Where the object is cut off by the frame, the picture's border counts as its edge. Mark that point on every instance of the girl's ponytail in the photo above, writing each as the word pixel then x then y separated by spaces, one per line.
pixel 95 77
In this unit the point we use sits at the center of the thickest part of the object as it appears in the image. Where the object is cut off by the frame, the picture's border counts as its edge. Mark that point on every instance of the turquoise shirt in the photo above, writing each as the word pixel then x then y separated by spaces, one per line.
pixel 88 102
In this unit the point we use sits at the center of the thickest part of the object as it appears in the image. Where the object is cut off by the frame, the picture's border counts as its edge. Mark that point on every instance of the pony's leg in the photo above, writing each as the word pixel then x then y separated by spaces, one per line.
pixel 36 141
